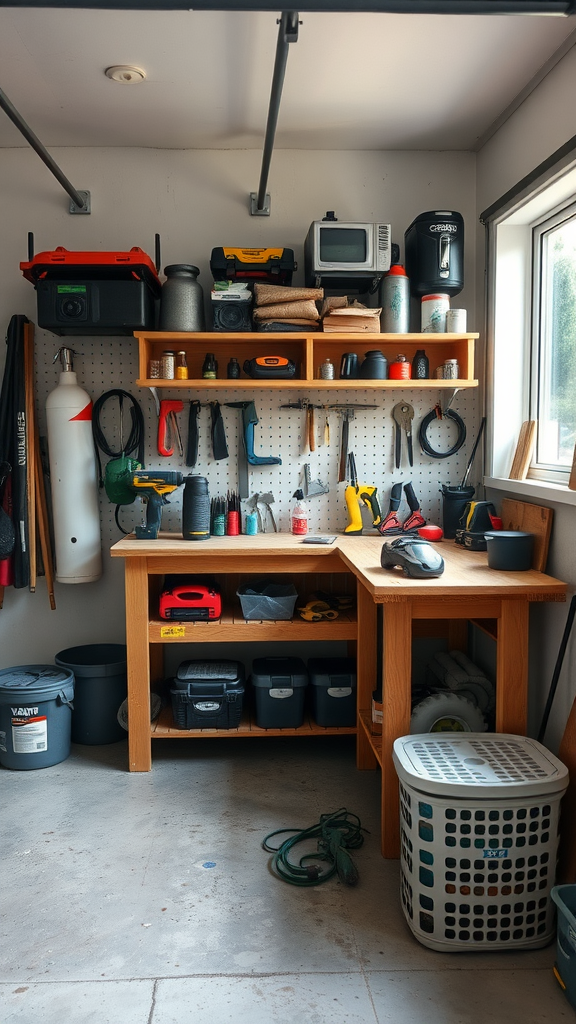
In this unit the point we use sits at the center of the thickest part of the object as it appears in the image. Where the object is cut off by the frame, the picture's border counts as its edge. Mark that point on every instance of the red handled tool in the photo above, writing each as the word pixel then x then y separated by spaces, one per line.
pixel 168 426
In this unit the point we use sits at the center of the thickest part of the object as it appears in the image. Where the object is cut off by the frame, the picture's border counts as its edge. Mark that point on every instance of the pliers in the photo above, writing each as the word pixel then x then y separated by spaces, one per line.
pixel 403 414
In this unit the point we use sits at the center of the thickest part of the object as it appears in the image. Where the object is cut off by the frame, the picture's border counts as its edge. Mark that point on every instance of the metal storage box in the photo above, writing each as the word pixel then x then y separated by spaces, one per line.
pixel 279 690
pixel 333 688
pixel 208 695
pixel 479 836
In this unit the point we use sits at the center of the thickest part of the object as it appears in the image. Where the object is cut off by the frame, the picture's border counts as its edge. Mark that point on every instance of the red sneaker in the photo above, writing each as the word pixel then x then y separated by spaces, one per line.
pixel 414 522
pixel 391 525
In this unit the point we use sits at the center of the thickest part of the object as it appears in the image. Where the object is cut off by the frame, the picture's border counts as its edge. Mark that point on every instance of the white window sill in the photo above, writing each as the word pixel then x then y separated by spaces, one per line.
pixel 531 489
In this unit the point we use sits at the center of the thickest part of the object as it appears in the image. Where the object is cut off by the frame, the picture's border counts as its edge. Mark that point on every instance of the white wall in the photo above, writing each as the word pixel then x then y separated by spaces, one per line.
pixel 196 200
pixel 542 124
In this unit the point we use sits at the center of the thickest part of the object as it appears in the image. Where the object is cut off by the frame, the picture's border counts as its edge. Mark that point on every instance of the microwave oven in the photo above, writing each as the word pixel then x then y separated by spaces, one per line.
pixel 336 252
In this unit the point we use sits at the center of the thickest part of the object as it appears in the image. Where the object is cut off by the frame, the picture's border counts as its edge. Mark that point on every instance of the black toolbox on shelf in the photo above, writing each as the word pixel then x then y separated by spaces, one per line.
pixel 333 688
pixel 279 689
pixel 208 694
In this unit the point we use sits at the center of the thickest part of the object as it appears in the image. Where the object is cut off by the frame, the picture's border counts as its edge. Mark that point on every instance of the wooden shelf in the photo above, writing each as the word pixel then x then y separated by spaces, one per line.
pixel 233 628
pixel 164 728
pixel 308 351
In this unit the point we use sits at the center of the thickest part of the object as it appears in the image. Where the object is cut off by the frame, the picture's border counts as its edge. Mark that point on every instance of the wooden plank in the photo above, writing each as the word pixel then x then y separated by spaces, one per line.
pixel 536 519
pixel 567 849
pixel 164 728
pixel 139 746
pixel 396 690
pixel 524 449
pixel 30 450
pixel 572 479
pixel 512 667
pixel 366 668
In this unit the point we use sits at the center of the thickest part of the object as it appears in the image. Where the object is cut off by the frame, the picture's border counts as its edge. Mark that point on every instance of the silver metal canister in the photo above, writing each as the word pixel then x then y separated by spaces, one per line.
pixel 167 364
pixel 456 321
pixel 395 301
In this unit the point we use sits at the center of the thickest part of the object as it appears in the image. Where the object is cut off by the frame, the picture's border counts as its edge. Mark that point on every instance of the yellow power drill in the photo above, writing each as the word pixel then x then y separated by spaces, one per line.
pixel 354 494
pixel 154 486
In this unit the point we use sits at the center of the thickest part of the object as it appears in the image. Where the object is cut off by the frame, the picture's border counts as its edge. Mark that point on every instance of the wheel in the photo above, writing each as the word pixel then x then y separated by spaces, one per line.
pixel 446 712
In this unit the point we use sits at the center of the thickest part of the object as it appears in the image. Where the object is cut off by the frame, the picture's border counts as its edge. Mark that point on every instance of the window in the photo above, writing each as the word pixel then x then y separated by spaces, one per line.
pixel 531 327
pixel 553 350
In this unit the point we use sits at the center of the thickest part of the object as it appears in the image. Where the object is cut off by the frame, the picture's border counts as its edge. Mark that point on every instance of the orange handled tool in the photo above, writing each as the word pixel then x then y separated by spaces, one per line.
pixel 168 426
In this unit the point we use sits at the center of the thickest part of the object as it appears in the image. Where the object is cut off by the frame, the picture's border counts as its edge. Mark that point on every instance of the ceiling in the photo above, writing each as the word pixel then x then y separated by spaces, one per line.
pixel 353 81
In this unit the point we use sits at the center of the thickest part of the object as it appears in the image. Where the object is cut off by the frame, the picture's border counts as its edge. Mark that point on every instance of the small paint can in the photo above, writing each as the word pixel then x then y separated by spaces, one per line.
pixel 456 321
pixel 433 313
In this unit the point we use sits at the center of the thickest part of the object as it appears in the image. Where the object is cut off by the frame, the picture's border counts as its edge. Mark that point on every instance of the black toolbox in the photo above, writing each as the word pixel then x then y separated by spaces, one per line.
pixel 333 688
pixel 279 689
pixel 208 694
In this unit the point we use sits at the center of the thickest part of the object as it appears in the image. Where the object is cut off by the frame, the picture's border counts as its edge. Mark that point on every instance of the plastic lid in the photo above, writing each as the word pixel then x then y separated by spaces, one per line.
pixel 396 270
pixel 35 683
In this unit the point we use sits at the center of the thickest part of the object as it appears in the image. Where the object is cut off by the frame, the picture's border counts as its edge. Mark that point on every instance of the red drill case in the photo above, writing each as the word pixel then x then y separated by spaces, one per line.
pixel 186 599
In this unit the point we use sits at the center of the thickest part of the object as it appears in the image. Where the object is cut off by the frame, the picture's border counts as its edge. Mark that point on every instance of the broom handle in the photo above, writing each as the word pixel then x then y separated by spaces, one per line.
pixel 30 449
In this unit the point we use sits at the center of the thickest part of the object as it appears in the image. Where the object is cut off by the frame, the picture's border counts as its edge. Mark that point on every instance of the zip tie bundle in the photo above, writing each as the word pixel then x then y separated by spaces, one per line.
pixel 335 833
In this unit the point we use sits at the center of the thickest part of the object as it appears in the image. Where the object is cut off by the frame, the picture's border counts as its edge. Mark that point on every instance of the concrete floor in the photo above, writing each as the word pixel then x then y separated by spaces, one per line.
pixel 147 899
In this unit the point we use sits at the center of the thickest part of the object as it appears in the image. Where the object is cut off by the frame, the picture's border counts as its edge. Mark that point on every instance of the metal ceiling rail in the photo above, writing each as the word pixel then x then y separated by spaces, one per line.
pixel 558 8
pixel 81 200
pixel 287 33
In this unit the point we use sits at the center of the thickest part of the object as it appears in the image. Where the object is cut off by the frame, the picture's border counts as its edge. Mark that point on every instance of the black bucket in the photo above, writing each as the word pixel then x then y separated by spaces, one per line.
pixel 454 501
pixel 101 687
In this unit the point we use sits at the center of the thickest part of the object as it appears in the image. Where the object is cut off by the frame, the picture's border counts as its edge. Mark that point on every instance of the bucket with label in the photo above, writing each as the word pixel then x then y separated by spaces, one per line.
pixel 35 715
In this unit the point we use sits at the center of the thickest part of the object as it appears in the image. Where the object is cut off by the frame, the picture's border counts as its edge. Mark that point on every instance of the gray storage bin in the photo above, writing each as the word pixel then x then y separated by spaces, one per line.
pixel 264 600
pixel 333 687
pixel 279 688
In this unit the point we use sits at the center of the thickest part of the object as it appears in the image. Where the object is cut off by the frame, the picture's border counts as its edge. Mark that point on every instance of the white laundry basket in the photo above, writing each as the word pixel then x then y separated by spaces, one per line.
pixel 479 819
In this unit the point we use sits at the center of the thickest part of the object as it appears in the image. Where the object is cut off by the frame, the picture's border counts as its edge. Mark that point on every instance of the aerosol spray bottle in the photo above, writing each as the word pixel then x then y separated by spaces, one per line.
pixel 73 478
pixel 395 301
pixel 299 516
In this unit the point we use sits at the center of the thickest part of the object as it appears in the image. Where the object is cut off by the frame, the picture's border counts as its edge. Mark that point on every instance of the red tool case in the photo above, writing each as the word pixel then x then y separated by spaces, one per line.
pixel 94 293
pixel 189 600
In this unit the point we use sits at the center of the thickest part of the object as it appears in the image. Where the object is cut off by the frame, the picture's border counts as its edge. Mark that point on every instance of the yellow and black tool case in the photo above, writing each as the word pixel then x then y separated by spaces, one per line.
pixel 235 263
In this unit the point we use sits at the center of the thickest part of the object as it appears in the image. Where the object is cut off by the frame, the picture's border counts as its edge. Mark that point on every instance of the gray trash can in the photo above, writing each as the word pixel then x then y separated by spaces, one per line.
pixel 101 687
pixel 35 715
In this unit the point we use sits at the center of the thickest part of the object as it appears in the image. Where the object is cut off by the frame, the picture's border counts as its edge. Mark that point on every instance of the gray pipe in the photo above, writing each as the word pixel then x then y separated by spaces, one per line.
pixel 287 33
pixel 41 150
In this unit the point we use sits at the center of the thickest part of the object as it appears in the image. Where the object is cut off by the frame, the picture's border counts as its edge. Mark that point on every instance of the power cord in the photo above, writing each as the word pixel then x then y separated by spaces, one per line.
pixel 423 438
pixel 134 443
pixel 335 833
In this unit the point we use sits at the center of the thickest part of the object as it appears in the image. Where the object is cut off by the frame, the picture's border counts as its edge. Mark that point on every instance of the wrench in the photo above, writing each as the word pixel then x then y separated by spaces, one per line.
pixel 403 414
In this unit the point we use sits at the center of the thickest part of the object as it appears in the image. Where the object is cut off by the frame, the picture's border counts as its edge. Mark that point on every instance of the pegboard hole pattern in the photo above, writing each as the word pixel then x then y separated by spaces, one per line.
pixel 104 364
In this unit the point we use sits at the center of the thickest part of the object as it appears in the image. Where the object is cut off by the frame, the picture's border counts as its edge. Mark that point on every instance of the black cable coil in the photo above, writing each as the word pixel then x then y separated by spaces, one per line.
pixel 423 438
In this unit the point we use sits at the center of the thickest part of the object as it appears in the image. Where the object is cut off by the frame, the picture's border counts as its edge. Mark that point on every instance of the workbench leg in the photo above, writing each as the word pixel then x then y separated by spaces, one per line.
pixel 512 667
pixel 458 635
pixel 396 707
pixel 139 740
pixel 366 669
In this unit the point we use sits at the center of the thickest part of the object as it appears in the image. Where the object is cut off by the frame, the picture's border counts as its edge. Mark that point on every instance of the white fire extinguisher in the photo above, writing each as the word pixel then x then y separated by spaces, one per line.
pixel 73 478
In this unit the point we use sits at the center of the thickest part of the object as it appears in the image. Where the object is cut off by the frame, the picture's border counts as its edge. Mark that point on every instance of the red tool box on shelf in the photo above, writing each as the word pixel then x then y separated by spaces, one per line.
pixel 94 293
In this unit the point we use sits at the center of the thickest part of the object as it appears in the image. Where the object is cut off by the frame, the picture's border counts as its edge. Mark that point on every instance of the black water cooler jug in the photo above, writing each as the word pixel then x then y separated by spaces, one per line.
pixel 434 253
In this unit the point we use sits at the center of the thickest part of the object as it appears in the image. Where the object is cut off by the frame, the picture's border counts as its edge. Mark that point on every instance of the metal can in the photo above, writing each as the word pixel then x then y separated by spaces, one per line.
pixel 451 369
pixel 167 365
pixel 433 313
pixel 456 321
pixel 327 369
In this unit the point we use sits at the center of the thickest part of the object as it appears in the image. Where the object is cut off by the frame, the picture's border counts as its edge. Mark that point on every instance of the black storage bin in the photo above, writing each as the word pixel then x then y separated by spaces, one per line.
pixel 279 689
pixel 208 695
pixel 333 683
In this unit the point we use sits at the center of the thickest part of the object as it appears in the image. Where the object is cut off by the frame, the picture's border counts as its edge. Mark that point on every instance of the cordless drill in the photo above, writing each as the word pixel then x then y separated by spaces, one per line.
pixel 153 486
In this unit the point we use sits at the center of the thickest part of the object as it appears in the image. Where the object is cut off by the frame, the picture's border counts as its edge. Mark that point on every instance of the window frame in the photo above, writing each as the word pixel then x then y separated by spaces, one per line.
pixel 542 471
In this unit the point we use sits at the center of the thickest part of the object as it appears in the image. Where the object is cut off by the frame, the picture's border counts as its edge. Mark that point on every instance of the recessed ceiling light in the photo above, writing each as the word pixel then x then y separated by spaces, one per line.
pixel 125 73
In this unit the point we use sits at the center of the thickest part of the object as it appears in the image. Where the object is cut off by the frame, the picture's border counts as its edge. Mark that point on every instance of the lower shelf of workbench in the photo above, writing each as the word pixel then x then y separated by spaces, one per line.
pixel 164 728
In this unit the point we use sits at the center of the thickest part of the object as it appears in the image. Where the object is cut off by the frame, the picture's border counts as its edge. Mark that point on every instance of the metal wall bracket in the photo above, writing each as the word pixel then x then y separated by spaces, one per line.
pixel 86 208
pixel 255 212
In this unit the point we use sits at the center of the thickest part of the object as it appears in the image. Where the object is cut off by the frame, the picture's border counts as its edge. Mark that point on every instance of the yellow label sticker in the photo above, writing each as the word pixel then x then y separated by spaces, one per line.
pixel 168 631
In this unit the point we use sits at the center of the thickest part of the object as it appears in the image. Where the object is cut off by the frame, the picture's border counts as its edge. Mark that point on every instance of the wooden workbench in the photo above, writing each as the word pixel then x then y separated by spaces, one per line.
pixel 467 590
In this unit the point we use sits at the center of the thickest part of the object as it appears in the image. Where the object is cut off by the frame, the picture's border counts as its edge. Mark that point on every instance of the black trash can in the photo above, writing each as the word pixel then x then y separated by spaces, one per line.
pixel 100 688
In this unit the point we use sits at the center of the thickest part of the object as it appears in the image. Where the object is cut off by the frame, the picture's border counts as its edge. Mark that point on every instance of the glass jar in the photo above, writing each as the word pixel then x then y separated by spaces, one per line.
pixel 168 364
pixel 181 366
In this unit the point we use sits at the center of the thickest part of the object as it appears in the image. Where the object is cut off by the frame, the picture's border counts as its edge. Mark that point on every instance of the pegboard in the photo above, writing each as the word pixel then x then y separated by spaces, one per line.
pixel 105 364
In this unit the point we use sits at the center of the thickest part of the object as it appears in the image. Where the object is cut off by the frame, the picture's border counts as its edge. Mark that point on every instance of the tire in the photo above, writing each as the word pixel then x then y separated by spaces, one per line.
pixel 446 712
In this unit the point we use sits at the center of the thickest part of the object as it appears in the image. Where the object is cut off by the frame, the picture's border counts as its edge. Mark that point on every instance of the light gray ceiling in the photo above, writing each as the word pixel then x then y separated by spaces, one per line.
pixel 353 81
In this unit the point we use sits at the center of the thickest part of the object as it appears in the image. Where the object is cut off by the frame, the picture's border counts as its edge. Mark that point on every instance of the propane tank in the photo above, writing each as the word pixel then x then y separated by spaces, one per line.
pixel 73 478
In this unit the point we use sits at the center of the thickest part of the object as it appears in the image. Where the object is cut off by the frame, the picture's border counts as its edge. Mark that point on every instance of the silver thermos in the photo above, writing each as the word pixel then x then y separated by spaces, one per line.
pixel 395 301
pixel 182 300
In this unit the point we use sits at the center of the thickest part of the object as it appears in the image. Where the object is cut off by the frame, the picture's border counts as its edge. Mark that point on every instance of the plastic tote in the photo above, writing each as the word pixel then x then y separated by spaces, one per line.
pixel 564 897
pixel 101 687
pixel 35 716
pixel 478 839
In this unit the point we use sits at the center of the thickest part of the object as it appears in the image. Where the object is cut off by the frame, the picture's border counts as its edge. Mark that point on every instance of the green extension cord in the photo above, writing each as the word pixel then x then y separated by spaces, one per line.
pixel 336 834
